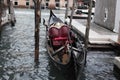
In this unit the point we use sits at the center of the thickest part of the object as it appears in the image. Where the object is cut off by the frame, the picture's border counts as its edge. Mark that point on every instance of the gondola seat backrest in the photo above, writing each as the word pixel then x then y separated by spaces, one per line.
pixel 59 35
pixel 53 32
pixel 64 31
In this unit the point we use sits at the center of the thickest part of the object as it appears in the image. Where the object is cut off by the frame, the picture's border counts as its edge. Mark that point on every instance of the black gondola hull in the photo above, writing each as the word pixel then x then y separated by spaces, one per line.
pixel 75 58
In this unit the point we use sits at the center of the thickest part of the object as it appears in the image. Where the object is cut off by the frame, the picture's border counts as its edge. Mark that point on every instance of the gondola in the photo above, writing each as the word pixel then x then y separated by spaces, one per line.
pixel 63 46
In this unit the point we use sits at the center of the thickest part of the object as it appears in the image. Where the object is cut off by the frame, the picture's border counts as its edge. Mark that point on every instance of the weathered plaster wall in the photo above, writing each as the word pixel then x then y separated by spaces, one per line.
pixel 105 13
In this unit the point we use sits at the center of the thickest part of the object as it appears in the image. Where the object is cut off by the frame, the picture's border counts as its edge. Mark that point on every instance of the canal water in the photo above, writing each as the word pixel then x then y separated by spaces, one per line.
pixel 17 54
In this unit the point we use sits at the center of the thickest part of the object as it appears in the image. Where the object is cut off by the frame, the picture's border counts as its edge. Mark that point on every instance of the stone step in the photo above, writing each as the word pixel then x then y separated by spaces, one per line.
pixel 117 61
pixel 97 35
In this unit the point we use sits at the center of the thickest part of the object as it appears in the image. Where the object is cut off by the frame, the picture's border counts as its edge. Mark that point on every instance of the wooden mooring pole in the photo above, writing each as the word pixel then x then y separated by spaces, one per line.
pixel 67 7
pixel 11 13
pixel 119 34
pixel 87 29
pixel 0 13
pixel 37 25
pixel 72 12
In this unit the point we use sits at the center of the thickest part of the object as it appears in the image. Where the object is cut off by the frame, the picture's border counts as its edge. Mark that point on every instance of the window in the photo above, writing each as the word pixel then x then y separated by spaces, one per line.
pixel 15 3
pixel 57 0
pixel 27 2
pixel 46 4
pixel 65 5
pixel 57 4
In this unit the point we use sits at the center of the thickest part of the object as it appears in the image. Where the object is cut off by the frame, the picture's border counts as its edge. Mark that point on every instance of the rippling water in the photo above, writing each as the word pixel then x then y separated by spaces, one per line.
pixel 17 51
pixel 17 54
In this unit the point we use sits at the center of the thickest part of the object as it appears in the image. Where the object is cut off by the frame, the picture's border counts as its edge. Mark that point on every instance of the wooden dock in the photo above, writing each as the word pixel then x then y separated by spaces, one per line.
pixel 97 35
pixel 117 67
pixel 117 61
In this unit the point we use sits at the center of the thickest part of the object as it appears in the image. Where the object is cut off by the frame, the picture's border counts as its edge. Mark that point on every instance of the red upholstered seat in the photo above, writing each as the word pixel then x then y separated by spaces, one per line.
pixel 64 31
pixel 53 32
pixel 59 36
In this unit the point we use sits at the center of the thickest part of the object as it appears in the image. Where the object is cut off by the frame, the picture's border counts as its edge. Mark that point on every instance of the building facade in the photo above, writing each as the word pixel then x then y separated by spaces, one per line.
pixel 45 3
pixel 23 3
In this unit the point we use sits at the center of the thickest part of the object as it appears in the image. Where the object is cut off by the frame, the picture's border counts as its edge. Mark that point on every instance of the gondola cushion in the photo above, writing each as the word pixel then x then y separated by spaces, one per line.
pixel 59 35
pixel 64 31
pixel 53 32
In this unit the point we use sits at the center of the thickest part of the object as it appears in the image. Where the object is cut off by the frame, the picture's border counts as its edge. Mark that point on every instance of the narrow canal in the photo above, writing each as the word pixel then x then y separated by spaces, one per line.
pixel 17 54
